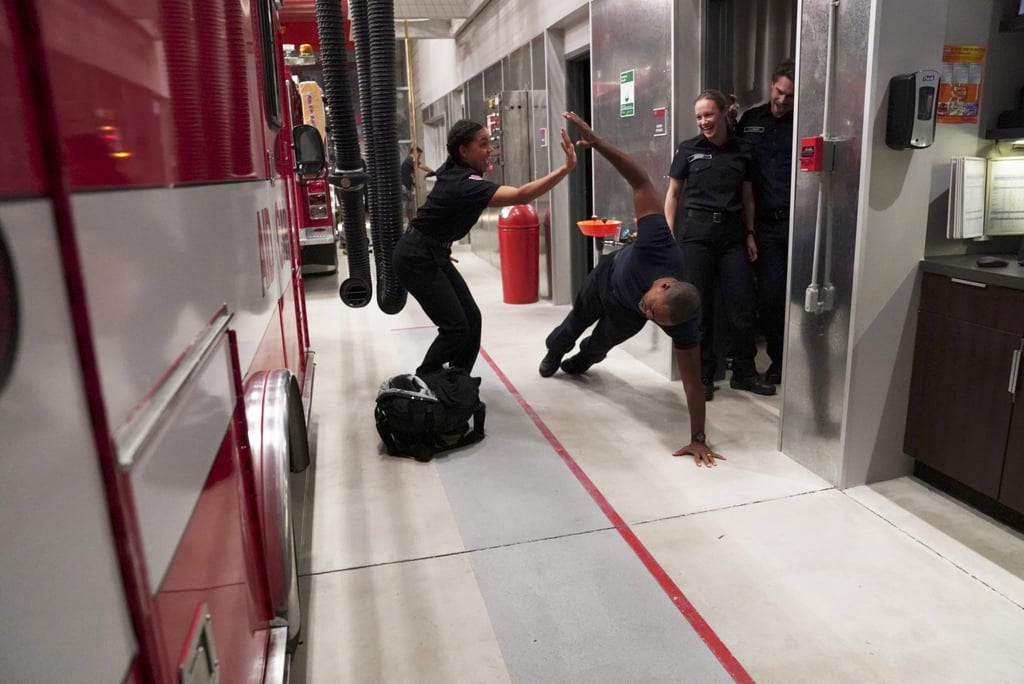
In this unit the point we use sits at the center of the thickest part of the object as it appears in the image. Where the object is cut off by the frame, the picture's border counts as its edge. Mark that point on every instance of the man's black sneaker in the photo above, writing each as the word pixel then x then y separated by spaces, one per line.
pixel 773 376
pixel 576 364
pixel 549 364
pixel 752 383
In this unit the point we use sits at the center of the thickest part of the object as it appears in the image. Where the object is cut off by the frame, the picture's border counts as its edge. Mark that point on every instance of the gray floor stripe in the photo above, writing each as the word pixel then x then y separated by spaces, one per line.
pixel 584 609
pixel 572 607
pixel 512 487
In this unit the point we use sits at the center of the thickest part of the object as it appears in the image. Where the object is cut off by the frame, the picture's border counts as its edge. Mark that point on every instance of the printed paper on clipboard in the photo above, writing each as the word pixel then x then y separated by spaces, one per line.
pixel 1005 197
pixel 967 181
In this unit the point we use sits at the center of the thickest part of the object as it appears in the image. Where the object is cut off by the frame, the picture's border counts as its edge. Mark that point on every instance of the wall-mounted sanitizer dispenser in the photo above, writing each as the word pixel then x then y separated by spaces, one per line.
pixel 913 98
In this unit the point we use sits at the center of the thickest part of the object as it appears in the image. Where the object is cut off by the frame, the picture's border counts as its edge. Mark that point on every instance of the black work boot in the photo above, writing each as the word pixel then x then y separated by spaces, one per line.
pixel 751 383
pixel 773 375
pixel 576 364
pixel 549 364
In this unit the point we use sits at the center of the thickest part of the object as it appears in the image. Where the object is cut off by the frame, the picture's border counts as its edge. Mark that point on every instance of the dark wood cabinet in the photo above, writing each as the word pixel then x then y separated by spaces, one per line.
pixel 963 420
pixel 1011 492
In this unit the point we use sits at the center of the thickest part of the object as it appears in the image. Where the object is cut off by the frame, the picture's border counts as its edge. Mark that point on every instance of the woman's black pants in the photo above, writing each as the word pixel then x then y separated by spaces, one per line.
pixel 715 256
pixel 424 268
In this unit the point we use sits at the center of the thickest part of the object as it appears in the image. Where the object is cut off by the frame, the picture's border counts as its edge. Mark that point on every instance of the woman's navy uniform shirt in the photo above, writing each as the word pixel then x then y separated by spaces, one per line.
pixel 772 141
pixel 459 196
pixel 654 254
pixel 713 175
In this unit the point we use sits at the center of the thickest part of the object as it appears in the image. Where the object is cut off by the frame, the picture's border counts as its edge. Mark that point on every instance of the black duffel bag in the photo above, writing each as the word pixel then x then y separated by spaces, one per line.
pixel 418 417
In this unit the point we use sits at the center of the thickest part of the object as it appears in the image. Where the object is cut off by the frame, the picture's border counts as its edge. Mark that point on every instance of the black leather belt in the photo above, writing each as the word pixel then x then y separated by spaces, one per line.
pixel 713 216
pixel 422 238
pixel 776 214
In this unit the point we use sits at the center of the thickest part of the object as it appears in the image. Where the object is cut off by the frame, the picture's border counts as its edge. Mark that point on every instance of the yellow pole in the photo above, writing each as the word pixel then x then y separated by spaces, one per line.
pixel 412 113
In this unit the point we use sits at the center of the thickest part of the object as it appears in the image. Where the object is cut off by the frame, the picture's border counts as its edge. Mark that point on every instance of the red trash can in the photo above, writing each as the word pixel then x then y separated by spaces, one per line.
pixel 518 230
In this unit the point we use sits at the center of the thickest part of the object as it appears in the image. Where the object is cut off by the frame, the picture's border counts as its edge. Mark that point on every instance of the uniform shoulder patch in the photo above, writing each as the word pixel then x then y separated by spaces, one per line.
pixel 474 176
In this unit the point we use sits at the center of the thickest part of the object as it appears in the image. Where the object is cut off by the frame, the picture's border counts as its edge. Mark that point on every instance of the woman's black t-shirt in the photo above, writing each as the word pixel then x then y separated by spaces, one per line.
pixel 713 175
pixel 459 196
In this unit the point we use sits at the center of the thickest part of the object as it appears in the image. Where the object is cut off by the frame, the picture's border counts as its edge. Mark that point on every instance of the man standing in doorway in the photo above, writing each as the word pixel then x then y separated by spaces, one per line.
pixel 769 129
pixel 409 166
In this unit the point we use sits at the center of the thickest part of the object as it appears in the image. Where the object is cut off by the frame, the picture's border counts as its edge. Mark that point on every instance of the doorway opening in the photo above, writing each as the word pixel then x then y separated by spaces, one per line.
pixel 581 182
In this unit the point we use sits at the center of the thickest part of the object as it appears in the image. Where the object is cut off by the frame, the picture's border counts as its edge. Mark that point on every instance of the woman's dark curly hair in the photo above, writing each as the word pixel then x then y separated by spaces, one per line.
pixel 461 133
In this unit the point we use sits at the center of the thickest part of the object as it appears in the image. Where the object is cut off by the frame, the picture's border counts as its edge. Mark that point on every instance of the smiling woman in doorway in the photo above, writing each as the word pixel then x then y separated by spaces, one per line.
pixel 422 257
pixel 710 208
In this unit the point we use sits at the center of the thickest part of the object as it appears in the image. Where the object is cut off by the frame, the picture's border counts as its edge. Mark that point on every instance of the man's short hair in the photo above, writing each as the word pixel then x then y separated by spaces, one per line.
pixel 786 68
pixel 683 301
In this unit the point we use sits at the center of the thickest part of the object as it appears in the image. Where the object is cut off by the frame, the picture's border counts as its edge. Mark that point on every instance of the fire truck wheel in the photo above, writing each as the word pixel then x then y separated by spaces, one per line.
pixel 279 445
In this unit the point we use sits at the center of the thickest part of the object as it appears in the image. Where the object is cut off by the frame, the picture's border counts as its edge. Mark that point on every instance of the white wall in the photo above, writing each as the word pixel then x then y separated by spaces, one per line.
pixel 433 68
pixel 505 25
pixel 501 27
pixel 902 218
pixel 974 22
pixel 891 236
pixel 577 32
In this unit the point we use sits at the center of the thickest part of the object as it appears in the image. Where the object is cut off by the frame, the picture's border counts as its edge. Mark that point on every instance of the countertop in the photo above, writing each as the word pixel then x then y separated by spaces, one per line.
pixel 965 266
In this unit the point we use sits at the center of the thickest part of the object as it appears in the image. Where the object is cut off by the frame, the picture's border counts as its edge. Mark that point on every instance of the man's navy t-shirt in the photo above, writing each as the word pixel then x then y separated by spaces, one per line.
pixel 408 172
pixel 653 255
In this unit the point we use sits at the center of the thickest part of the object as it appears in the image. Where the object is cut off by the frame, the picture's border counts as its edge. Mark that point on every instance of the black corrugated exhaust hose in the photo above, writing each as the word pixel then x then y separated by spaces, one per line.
pixel 348 174
pixel 360 27
pixel 384 153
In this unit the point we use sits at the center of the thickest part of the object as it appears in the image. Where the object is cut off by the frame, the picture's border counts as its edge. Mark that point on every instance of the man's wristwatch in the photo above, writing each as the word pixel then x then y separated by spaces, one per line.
pixel 699 437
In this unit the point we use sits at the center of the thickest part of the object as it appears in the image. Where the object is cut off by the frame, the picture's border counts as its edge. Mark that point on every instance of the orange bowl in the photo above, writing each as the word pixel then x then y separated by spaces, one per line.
pixel 599 227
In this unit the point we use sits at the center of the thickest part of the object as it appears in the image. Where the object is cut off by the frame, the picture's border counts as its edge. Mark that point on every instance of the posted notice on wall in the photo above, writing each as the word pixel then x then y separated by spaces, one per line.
pixel 960 88
pixel 627 93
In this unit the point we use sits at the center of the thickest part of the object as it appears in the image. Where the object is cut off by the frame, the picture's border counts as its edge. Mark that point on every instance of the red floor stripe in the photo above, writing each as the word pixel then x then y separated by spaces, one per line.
pixel 719 649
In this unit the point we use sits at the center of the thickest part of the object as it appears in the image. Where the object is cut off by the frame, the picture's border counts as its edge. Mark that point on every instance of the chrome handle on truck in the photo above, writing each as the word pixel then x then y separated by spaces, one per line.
pixel 131 437
pixel 1015 368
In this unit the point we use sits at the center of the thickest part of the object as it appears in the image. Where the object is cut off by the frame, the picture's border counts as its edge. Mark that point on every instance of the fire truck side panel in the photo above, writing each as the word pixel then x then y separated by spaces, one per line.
pixel 158 268
pixel 21 165
pixel 292 343
pixel 63 617
pixel 290 327
pixel 210 567
pixel 293 315
pixel 270 353
pixel 155 93
pixel 110 91
pixel 177 212
pixel 168 476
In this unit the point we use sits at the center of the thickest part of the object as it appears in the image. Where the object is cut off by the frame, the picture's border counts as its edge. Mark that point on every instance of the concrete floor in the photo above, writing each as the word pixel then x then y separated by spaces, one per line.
pixel 571 546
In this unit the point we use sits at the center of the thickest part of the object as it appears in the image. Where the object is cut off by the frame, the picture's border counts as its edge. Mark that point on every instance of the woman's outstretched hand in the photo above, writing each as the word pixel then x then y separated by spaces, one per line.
pixel 570 151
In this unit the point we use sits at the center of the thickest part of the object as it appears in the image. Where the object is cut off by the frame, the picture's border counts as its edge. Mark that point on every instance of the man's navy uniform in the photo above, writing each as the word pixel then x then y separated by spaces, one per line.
pixel 772 141
pixel 408 171
pixel 422 264
pixel 611 296
pixel 709 229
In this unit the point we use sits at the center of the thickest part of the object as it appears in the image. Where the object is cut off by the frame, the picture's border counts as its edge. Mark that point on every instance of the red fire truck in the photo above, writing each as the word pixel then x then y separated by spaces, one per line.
pixel 155 365
pixel 318 228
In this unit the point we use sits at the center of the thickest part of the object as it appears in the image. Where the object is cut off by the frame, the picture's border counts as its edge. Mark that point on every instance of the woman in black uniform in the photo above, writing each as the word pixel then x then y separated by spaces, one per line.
pixel 422 256
pixel 710 209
